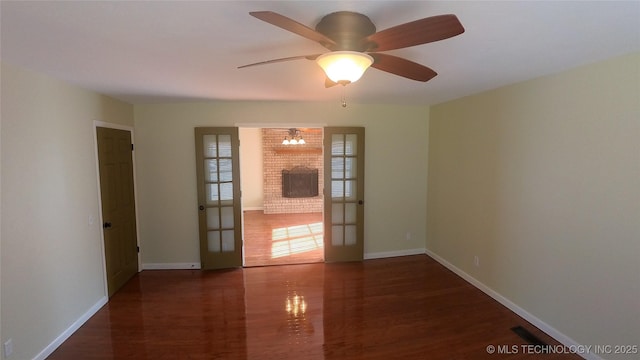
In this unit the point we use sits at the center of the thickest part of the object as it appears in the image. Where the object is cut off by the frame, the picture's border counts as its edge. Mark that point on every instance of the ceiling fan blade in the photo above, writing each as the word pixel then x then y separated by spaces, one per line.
pixel 308 57
pixel 417 32
pixel 295 27
pixel 311 130
pixel 402 67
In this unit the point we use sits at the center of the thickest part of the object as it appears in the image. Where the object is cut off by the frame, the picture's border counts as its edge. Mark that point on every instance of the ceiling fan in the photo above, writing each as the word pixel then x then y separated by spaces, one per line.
pixel 355 44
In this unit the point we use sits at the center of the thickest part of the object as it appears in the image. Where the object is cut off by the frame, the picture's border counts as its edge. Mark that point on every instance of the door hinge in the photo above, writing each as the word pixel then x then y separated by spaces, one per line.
pixel 138 248
pixel 131 147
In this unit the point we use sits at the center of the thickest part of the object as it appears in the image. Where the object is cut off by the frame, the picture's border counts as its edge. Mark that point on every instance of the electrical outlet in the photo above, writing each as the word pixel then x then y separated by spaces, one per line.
pixel 8 348
pixel 408 236
pixel 476 260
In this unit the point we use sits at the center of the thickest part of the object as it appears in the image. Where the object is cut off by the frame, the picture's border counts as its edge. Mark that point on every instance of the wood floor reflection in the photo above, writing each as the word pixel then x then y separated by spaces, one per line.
pixel 399 308
pixel 279 239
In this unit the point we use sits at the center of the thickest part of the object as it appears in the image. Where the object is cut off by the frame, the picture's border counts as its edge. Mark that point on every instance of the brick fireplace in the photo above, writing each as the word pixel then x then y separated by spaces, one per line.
pixel 278 157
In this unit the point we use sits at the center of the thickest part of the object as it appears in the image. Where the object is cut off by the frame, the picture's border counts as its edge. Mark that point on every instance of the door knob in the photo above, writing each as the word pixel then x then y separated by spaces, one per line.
pixel 106 225
pixel 201 207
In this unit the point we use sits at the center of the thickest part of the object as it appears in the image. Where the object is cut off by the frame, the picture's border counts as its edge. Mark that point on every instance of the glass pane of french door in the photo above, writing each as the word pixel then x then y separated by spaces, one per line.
pixel 344 193
pixel 219 197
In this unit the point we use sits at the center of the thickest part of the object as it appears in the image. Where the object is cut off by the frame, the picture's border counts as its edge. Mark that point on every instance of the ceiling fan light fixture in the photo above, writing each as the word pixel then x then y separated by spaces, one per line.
pixel 344 67
pixel 294 137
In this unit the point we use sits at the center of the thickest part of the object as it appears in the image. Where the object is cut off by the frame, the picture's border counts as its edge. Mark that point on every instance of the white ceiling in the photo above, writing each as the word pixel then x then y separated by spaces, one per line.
pixel 159 51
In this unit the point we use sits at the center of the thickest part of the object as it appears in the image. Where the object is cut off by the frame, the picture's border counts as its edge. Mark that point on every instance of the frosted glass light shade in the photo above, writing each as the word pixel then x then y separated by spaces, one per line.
pixel 344 66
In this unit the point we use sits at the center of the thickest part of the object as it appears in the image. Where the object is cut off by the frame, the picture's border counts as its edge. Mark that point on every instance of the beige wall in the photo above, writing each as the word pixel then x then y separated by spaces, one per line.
pixel 541 181
pixel 51 265
pixel 396 170
pixel 251 168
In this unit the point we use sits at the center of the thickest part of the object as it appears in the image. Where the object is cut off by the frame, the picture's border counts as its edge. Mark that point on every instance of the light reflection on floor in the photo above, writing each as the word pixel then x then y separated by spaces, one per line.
pixel 296 239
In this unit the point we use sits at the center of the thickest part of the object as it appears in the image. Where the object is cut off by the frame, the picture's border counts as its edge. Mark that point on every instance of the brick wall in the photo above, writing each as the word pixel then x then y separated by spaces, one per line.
pixel 275 162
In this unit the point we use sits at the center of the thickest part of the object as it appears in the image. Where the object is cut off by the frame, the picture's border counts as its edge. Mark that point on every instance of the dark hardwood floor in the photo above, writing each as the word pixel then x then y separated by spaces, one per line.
pixel 398 308
pixel 279 239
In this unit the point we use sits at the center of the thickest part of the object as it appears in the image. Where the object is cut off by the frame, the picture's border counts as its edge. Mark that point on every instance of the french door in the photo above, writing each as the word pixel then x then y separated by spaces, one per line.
pixel 219 209
pixel 344 193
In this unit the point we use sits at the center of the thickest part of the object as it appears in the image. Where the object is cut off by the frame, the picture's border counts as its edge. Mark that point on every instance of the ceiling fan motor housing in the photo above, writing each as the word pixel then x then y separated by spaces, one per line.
pixel 348 29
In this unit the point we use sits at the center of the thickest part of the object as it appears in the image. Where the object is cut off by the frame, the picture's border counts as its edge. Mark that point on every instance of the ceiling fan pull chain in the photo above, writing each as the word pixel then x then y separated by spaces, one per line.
pixel 344 97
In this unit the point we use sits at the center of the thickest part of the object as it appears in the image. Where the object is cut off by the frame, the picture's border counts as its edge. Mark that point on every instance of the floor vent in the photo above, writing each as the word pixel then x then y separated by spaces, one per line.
pixel 527 336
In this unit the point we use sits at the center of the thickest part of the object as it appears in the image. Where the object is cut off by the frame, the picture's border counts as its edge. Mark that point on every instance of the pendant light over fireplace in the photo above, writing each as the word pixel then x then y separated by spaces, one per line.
pixel 293 138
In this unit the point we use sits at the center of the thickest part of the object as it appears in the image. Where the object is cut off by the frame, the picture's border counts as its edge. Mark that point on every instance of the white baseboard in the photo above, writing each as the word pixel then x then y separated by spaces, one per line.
pixel 194 266
pixel 388 254
pixel 71 329
pixel 170 266
pixel 261 208
pixel 548 329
